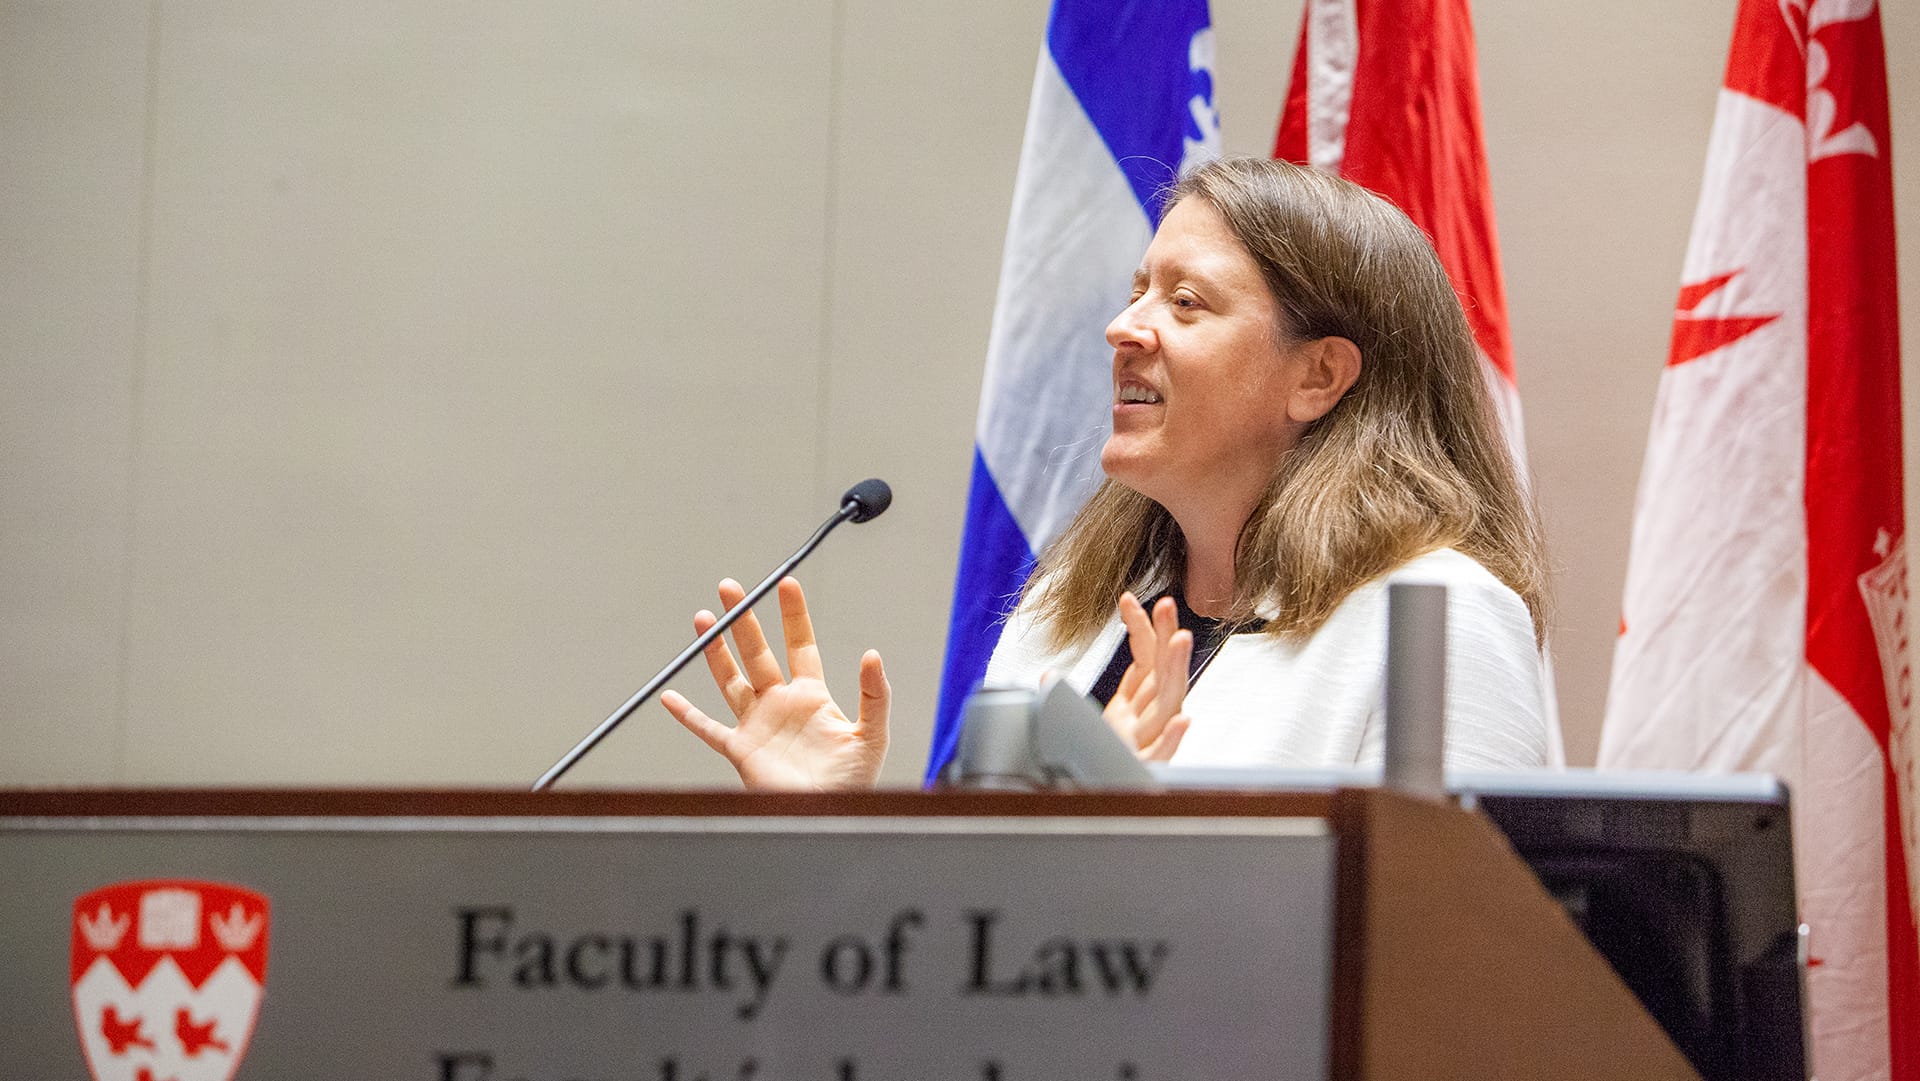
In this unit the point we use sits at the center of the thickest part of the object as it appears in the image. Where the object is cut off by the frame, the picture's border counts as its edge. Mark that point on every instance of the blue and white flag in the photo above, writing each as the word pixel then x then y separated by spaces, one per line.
pixel 1122 102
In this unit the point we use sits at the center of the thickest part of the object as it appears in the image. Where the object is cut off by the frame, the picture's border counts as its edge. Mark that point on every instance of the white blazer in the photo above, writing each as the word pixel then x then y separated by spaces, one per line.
pixel 1321 703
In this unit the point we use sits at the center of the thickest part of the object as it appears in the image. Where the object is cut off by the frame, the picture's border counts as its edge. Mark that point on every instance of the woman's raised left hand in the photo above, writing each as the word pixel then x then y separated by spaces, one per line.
pixel 1146 709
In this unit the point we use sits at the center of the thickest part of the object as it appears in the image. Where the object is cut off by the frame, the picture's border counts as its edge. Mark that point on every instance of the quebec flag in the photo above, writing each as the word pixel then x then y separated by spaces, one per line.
pixel 1122 102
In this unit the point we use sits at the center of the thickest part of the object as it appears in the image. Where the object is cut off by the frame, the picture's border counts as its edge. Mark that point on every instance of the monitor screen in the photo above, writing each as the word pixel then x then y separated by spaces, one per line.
pixel 1683 882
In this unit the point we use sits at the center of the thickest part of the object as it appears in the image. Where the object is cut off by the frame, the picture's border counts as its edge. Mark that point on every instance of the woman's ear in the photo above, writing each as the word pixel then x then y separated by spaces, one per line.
pixel 1327 369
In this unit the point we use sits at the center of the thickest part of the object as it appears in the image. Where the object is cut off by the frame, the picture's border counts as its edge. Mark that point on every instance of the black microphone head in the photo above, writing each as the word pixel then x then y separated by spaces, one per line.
pixel 870 498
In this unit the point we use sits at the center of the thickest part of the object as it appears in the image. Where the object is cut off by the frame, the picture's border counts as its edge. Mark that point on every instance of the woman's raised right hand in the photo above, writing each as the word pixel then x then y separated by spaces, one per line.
pixel 788 732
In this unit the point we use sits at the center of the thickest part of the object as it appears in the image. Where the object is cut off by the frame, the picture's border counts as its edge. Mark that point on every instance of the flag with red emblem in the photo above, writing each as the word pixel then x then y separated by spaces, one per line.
pixel 1764 622
pixel 167 979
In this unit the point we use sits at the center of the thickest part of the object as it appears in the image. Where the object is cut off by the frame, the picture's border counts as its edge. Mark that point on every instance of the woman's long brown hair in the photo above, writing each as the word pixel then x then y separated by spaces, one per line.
pixel 1412 459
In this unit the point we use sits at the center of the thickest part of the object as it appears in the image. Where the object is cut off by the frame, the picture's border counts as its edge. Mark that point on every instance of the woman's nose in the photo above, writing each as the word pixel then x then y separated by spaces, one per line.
pixel 1130 327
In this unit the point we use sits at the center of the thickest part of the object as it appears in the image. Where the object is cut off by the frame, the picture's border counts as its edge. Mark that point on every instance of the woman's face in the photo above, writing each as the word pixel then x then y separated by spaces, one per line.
pixel 1202 374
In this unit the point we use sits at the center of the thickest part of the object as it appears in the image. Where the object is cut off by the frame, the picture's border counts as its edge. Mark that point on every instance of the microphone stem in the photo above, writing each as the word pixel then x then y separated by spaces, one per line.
pixel 559 769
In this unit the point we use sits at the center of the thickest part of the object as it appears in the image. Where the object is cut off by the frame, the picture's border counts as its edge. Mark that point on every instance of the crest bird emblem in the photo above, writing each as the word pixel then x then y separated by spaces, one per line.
pixel 167 978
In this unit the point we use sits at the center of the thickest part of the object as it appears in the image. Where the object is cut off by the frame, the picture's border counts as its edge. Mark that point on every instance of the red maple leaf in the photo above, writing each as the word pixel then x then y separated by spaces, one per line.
pixel 195 1038
pixel 1697 335
pixel 122 1033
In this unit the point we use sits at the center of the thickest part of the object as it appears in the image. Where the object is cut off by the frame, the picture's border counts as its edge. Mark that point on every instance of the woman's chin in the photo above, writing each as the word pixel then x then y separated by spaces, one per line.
pixel 1128 472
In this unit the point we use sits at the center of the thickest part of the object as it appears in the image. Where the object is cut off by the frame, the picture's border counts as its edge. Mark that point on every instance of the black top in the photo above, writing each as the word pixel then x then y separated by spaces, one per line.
pixel 1209 635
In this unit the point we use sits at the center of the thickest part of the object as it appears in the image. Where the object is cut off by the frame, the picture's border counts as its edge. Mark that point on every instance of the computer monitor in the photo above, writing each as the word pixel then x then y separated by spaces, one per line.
pixel 1683 882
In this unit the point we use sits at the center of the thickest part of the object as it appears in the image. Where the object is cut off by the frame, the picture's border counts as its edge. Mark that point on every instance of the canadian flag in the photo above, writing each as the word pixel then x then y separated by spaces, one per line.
pixel 1386 94
pixel 1764 623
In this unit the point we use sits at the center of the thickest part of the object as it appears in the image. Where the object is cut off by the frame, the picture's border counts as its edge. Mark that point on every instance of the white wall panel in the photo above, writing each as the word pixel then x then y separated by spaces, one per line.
pixel 73 84
pixel 931 104
pixel 453 307
pixel 1254 40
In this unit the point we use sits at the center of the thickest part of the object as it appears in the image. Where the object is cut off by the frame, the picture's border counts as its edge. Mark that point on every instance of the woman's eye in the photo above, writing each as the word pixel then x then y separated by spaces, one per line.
pixel 1181 300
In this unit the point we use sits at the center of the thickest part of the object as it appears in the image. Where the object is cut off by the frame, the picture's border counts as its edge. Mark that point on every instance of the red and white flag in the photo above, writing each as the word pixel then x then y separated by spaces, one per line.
pixel 1764 624
pixel 1386 93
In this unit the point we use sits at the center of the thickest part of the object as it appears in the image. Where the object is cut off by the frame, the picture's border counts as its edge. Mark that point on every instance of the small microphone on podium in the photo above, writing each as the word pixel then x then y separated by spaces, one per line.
pixel 863 502
pixel 872 496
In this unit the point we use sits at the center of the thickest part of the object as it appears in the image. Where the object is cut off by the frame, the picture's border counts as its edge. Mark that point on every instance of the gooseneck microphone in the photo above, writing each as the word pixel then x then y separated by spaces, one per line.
pixel 870 499
pixel 863 502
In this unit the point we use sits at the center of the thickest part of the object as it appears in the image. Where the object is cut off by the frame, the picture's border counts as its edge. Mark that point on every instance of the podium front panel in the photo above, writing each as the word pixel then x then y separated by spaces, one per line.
pixel 666 948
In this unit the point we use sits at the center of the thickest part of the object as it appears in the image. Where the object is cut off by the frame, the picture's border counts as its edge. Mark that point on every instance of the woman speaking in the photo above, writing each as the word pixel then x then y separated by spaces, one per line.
pixel 1298 414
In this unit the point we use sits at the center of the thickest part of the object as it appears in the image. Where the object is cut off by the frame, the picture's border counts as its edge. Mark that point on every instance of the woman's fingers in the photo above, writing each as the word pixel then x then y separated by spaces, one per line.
pixel 1139 627
pixel 711 732
pixel 1130 681
pixel 1168 741
pixel 1162 695
pixel 756 658
pixel 1170 666
pixel 803 653
pixel 1141 640
pixel 1175 660
pixel 1166 620
pixel 726 674
pixel 876 695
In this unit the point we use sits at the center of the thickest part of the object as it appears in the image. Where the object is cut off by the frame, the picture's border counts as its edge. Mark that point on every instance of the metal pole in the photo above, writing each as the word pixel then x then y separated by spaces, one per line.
pixel 1416 689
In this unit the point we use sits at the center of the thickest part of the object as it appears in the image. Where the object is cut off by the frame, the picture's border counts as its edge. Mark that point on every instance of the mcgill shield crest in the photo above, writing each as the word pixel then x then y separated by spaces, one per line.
pixel 167 978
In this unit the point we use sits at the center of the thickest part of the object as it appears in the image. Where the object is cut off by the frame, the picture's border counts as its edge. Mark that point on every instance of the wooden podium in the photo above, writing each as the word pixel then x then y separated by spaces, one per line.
pixel 482 936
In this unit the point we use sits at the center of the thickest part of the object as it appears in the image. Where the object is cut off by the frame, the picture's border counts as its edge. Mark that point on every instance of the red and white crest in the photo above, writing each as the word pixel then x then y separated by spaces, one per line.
pixel 167 978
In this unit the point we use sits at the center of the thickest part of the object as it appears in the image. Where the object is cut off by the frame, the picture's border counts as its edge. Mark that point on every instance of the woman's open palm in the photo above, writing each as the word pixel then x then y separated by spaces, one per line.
pixel 1147 708
pixel 788 732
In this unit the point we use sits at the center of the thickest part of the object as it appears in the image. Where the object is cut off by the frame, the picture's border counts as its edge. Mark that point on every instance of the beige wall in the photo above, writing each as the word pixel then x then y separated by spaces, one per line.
pixel 382 385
